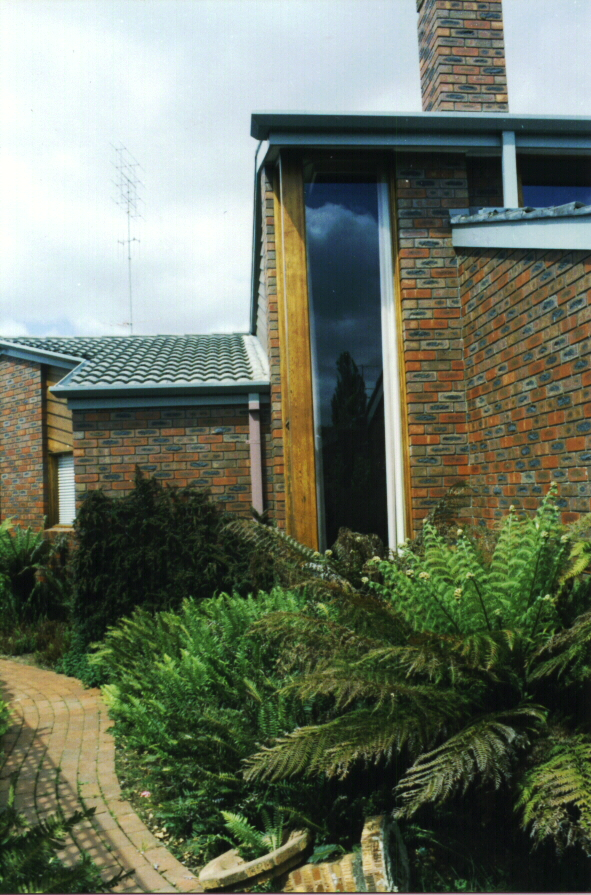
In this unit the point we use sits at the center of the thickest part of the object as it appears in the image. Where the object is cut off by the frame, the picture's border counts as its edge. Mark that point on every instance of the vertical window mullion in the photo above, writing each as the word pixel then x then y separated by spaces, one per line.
pixel 395 477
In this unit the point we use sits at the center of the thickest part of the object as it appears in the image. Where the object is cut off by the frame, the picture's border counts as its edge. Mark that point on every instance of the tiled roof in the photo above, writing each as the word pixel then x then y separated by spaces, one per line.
pixel 145 362
pixel 489 216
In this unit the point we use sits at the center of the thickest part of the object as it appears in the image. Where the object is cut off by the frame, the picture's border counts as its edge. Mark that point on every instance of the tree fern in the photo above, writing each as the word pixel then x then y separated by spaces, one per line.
pixel 555 798
pixel 481 753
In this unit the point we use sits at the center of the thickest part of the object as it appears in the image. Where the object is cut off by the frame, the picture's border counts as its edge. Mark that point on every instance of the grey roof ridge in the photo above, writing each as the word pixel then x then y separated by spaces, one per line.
pixel 257 356
pixel 484 216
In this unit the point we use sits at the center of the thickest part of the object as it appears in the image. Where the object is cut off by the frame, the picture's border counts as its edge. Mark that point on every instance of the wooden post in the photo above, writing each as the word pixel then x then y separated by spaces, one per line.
pixel 296 370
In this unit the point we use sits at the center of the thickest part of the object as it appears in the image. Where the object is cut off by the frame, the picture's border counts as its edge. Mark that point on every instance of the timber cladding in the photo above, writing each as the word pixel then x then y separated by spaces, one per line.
pixel 528 377
pixel 22 468
pixel 178 445
pixel 58 416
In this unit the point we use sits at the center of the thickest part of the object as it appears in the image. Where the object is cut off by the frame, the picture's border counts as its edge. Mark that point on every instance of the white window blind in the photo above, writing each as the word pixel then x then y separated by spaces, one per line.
pixel 66 493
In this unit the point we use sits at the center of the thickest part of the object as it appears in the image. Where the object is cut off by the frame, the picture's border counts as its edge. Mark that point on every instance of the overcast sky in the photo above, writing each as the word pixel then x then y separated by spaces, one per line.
pixel 175 82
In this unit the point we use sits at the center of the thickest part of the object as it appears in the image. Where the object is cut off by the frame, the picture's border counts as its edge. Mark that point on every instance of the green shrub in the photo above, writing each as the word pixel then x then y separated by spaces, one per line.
pixel 152 548
pixel 192 695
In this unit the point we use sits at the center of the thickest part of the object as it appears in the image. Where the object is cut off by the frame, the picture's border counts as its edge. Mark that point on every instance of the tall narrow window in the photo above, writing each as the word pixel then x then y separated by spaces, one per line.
pixel 345 292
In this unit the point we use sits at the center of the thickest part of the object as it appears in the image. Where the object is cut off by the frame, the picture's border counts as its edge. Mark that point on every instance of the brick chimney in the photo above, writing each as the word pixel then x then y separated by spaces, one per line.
pixel 462 56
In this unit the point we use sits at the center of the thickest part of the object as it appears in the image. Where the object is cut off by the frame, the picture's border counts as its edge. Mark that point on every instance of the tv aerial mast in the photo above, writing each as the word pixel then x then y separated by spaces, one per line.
pixel 127 183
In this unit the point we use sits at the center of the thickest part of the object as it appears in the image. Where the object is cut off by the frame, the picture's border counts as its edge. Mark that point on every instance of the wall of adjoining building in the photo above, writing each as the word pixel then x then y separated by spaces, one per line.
pixel 427 187
pixel 528 377
pixel 23 494
pixel 177 445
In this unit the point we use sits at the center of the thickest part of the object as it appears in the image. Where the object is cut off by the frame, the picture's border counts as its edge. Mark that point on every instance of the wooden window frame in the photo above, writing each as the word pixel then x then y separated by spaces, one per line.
pixel 58 440
pixel 301 499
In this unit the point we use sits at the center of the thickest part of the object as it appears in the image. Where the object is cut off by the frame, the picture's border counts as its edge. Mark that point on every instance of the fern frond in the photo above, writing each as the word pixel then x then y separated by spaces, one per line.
pixel 370 735
pixel 569 649
pixel 481 752
pixel 556 795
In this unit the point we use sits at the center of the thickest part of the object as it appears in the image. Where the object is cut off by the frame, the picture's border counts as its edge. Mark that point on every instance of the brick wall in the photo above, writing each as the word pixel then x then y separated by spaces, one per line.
pixel 275 490
pixel 462 56
pixel 177 445
pixel 23 494
pixel 433 347
pixel 528 377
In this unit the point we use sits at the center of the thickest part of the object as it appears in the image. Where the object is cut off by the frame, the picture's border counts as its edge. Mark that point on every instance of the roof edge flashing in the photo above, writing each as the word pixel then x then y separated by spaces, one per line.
pixel 159 388
pixel 263 123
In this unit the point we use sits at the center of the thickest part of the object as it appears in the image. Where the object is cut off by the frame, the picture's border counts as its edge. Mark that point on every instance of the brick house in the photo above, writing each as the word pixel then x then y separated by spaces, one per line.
pixel 80 413
pixel 420 315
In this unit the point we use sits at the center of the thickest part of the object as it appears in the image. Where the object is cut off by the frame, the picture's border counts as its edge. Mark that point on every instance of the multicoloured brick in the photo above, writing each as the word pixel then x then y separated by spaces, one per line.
pixel 462 56
pixel 426 188
pixel 528 377
pixel 23 482
pixel 180 446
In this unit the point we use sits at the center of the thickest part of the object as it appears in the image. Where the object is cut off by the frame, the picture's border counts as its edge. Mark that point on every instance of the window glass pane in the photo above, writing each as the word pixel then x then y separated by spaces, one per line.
pixel 544 196
pixel 346 339
pixel 555 180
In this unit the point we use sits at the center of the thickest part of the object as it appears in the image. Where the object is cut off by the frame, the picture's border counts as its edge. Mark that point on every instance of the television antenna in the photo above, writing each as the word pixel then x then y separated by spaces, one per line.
pixel 127 183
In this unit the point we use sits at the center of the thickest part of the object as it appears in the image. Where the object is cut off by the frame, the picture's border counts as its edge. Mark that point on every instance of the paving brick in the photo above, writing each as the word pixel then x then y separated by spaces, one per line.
pixel 101 836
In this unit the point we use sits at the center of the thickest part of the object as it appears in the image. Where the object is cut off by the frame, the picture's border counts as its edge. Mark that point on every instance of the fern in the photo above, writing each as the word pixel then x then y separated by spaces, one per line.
pixel 555 797
pixel 567 650
pixel 253 843
pixel 371 735
pixel 482 753
pixel 449 588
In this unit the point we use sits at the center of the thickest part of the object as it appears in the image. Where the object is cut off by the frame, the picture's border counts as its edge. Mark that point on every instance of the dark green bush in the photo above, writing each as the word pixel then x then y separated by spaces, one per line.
pixel 34 581
pixel 153 548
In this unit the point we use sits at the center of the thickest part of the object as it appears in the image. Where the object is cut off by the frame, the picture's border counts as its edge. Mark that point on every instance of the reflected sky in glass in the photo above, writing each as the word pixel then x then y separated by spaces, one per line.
pixel 545 196
pixel 344 281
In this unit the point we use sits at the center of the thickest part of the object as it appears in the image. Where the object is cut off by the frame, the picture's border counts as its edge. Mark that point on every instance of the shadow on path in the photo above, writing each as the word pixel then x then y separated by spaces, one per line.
pixel 60 749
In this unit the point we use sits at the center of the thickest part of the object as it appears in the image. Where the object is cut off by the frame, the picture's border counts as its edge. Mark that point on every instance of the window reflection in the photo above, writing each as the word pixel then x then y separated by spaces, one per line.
pixel 346 339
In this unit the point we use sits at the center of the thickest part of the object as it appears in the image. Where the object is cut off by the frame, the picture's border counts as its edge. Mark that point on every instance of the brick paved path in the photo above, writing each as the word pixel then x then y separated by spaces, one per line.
pixel 60 746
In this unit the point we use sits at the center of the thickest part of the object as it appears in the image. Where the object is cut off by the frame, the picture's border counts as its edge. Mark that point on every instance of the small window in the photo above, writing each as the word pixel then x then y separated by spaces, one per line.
pixel 549 180
pixel 63 489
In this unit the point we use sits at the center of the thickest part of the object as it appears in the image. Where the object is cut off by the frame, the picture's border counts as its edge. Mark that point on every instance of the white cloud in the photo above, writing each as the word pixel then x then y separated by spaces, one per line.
pixel 175 81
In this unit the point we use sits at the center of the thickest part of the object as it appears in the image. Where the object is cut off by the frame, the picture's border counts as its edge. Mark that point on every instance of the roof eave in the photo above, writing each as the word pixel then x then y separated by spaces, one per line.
pixel 39 355
pixel 264 124
pixel 164 389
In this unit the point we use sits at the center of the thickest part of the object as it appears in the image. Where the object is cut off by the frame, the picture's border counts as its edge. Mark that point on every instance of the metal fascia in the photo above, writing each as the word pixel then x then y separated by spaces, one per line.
pixel 39 355
pixel 162 401
pixel 264 123
pixel 570 233
pixel 157 390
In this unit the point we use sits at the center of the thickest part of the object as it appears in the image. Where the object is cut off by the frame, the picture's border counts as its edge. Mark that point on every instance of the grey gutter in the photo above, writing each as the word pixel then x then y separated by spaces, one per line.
pixel 38 355
pixel 122 390
pixel 265 124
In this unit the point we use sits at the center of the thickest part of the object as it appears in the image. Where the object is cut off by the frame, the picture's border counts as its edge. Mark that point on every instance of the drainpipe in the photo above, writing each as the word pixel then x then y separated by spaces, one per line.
pixel 256 463
pixel 254 259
